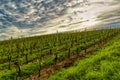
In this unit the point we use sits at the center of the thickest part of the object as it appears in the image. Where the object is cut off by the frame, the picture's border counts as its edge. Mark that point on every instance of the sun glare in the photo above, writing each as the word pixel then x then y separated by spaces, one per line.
pixel 89 22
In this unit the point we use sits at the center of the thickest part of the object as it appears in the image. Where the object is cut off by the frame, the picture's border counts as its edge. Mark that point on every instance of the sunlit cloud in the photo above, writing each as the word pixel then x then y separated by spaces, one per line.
pixel 21 18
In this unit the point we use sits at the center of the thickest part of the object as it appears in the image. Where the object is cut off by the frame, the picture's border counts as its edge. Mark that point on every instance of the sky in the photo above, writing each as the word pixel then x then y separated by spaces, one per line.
pixel 23 18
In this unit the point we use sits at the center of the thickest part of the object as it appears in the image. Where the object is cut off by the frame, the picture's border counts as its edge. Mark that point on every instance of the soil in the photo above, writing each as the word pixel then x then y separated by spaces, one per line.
pixel 48 71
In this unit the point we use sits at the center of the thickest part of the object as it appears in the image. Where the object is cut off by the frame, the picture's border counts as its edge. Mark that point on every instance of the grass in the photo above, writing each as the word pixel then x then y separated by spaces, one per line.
pixel 41 48
pixel 103 64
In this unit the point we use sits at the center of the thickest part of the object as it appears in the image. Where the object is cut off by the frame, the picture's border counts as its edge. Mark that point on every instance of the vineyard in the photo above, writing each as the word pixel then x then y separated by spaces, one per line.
pixel 102 64
pixel 25 57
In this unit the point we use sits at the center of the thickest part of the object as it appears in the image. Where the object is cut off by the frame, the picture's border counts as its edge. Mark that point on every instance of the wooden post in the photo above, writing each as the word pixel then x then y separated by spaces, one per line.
pixel 56 57
pixel 9 60
pixel 77 51
pixel 18 67
pixel 26 57
pixel 39 67
pixel 69 53
pixel 85 47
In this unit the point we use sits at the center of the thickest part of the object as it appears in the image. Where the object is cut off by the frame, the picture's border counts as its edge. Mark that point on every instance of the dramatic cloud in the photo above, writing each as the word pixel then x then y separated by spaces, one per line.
pixel 20 18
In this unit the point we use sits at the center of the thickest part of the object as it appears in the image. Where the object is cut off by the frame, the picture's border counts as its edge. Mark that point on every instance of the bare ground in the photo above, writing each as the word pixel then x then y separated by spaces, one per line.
pixel 46 72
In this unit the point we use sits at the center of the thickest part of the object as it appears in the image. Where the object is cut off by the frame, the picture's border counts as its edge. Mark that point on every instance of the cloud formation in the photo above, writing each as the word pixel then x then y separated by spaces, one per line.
pixel 20 18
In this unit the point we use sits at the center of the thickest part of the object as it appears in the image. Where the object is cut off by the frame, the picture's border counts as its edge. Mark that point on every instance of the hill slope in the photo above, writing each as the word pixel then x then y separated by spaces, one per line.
pixel 104 64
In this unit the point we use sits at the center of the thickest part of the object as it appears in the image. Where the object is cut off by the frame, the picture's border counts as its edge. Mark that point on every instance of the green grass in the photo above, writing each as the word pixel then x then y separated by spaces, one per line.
pixel 103 64
pixel 39 47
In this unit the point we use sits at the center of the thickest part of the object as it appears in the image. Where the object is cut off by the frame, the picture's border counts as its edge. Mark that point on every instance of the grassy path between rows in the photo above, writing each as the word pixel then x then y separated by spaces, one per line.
pixel 69 62
pixel 103 64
